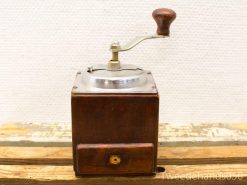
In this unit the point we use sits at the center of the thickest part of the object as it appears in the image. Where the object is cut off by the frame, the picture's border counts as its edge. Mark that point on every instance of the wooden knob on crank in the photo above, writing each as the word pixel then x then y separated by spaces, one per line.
pixel 163 18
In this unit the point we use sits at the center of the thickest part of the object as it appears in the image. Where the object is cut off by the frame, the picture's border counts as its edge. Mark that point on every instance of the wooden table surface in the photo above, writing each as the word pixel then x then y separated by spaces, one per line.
pixel 191 154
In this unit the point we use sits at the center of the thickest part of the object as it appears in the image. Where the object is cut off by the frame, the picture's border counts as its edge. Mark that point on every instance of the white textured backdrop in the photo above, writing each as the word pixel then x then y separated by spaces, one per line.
pixel 200 71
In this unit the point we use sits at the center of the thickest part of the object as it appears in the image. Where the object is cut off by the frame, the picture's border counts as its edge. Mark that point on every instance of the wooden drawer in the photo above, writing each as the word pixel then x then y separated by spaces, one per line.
pixel 135 158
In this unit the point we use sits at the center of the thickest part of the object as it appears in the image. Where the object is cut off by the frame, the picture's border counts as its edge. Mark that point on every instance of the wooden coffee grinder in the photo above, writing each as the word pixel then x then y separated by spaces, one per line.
pixel 115 110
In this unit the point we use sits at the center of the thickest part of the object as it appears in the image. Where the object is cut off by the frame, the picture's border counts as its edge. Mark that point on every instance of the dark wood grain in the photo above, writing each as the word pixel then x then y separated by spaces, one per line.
pixel 115 119
pixel 163 17
pixel 134 158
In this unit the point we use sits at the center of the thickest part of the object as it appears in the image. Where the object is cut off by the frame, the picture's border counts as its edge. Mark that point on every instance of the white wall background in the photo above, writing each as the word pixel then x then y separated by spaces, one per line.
pixel 201 71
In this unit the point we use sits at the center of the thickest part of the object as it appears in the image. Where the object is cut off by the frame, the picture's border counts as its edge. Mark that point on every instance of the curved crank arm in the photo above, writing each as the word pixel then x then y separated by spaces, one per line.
pixel 135 42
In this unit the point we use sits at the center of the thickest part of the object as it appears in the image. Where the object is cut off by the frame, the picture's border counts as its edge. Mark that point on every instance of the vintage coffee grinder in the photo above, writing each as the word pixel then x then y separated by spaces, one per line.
pixel 115 109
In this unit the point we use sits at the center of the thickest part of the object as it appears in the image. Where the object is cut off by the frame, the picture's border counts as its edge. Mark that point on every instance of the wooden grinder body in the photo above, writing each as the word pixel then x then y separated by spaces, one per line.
pixel 122 125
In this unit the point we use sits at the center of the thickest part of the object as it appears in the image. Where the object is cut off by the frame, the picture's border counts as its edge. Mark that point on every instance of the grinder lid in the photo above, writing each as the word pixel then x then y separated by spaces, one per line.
pixel 128 76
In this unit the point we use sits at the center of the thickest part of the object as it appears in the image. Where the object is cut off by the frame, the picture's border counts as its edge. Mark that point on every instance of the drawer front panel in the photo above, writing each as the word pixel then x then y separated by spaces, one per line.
pixel 134 158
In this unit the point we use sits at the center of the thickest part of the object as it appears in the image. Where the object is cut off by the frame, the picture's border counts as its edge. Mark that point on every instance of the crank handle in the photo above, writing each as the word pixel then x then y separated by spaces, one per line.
pixel 163 18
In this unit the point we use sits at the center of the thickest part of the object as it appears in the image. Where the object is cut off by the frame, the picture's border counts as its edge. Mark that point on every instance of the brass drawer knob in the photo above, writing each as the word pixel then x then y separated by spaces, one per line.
pixel 115 159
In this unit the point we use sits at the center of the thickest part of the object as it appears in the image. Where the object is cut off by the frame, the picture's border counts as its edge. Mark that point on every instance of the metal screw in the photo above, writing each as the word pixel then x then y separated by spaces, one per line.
pixel 115 159
pixel 115 45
